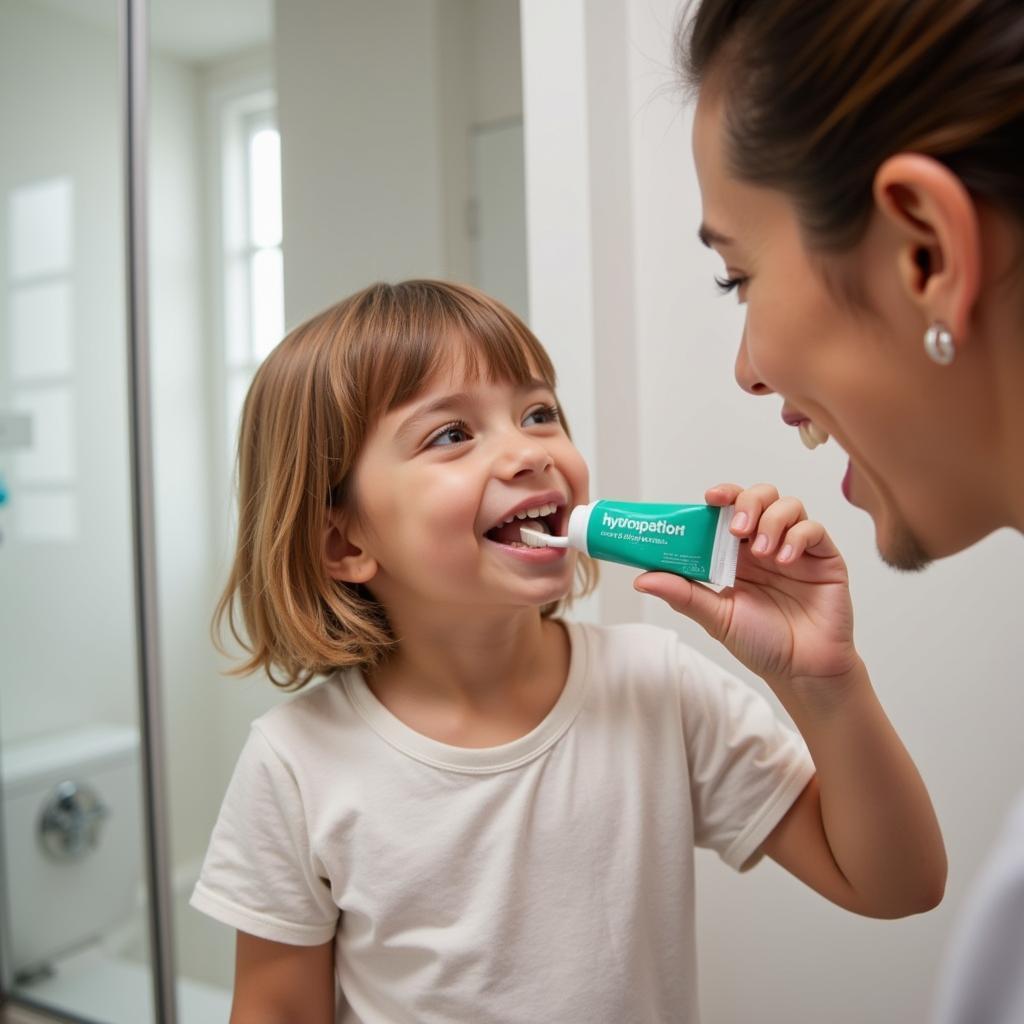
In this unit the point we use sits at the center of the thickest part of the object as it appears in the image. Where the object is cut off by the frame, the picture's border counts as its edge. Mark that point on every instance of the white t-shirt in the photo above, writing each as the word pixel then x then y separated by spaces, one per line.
pixel 550 879
pixel 983 982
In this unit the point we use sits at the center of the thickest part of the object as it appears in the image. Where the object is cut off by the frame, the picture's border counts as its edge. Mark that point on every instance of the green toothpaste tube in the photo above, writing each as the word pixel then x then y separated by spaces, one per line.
pixel 689 540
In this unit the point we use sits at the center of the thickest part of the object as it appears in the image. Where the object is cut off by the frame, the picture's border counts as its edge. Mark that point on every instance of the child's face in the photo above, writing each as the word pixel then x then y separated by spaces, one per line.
pixel 435 482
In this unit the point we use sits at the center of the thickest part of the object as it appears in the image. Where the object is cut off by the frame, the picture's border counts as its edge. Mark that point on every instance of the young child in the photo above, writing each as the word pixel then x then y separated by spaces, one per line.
pixel 485 813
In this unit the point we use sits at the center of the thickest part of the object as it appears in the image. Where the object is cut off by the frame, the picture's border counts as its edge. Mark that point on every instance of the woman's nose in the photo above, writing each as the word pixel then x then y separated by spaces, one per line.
pixel 746 376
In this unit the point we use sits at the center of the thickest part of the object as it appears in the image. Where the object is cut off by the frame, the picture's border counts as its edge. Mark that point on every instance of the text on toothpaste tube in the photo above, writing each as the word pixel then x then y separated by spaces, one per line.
pixel 642 525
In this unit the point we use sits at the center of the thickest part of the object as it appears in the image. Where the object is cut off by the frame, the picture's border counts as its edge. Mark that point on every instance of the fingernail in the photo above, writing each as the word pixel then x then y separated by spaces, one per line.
pixel 786 553
pixel 740 520
pixel 761 544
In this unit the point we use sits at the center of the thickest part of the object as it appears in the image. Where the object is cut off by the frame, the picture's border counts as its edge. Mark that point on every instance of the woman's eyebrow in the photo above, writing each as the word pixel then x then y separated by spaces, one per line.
pixel 711 238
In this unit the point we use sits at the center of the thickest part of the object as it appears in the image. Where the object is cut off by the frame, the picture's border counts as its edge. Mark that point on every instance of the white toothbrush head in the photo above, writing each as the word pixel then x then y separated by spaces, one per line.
pixel 537 539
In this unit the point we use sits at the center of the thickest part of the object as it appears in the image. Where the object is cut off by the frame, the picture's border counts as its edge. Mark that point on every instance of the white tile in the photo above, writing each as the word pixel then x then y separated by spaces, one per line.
pixel 41 234
pixel 41 331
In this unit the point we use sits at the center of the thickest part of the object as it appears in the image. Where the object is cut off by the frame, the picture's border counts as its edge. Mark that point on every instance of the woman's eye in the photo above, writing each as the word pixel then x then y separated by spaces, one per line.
pixel 542 414
pixel 453 433
pixel 729 284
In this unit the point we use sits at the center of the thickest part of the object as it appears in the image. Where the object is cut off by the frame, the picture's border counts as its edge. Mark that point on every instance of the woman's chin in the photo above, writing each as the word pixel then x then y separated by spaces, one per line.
pixel 899 547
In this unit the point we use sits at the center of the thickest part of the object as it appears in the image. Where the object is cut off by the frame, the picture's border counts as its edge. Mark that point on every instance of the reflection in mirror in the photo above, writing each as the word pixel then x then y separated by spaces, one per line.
pixel 296 155
pixel 73 902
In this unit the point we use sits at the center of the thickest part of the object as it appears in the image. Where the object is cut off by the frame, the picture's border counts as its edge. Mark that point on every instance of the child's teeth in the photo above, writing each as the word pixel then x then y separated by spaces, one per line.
pixel 533 513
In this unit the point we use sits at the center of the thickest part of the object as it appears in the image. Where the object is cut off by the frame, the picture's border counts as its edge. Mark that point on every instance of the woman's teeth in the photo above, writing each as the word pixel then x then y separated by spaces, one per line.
pixel 533 513
pixel 812 435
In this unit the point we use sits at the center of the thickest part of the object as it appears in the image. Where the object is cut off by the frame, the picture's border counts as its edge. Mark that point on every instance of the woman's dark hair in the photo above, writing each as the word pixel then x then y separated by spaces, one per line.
pixel 819 93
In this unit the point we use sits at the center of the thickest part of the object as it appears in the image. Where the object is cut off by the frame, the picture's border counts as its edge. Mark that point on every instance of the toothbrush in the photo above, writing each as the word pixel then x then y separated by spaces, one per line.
pixel 536 539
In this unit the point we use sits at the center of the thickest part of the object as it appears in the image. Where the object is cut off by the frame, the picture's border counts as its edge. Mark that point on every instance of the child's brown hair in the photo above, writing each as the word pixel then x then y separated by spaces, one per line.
pixel 308 412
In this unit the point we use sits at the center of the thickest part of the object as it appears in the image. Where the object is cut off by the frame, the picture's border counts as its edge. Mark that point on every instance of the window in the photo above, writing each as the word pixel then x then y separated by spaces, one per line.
pixel 252 263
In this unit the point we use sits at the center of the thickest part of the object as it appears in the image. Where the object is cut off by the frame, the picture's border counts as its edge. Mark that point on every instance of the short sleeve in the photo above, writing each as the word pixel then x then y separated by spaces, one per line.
pixel 746 767
pixel 259 875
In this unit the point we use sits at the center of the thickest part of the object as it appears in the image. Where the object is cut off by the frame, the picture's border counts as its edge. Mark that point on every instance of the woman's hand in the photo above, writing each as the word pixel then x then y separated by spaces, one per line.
pixel 789 618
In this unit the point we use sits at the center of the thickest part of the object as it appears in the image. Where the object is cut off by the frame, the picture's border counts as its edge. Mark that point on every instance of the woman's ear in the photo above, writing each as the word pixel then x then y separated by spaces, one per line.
pixel 344 556
pixel 938 237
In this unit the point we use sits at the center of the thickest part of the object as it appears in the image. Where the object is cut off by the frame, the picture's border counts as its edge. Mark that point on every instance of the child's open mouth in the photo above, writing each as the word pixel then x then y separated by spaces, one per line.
pixel 545 518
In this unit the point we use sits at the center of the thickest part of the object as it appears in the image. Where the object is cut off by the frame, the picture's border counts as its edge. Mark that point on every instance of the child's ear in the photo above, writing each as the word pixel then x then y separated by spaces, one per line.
pixel 344 558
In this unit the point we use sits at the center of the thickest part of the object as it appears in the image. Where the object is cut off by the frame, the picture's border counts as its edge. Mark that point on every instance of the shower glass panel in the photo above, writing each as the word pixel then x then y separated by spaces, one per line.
pixel 74 899
pixel 298 151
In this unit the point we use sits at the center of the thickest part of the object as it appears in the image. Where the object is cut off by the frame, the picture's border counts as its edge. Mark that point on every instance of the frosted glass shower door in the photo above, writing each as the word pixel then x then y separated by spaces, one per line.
pixel 73 898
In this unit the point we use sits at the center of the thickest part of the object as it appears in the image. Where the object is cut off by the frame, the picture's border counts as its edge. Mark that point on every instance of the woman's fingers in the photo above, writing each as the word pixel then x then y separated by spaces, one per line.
pixel 750 503
pixel 722 494
pixel 775 521
pixel 704 606
pixel 808 537
pixel 776 527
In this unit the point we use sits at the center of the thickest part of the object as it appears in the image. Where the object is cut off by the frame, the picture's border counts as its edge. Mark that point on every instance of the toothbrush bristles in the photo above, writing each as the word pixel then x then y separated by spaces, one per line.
pixel 533 538
pixel 539 539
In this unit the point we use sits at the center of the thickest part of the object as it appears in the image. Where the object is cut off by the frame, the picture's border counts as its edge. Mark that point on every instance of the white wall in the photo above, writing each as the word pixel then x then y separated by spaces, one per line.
pixel 359 109
pixel 942 646
pixel 375 103
pixel 495 60
pixel 480 83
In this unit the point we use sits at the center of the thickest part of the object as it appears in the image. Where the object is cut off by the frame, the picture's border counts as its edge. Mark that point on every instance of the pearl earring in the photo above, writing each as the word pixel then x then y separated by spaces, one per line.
pixel 938 343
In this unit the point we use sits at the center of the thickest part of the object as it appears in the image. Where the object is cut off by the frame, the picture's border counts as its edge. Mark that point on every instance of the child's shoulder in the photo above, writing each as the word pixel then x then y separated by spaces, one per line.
pixel 316 716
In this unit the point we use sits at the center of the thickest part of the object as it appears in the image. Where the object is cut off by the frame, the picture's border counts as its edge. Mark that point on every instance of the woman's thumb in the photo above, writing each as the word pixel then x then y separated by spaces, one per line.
pixel 699 603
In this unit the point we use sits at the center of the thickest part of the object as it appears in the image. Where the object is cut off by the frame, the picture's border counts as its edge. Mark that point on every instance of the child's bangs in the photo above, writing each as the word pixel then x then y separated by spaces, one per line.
pixel 437 328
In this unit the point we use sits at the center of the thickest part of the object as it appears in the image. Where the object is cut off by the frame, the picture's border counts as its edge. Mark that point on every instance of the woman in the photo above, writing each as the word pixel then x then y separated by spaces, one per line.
pixel 861 165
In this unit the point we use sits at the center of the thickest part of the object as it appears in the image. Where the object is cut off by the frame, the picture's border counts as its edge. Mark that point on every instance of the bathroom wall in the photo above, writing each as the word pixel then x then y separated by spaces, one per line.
pixel 375 102
pixel 360 146
pixel 942 646
pixel 479 78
